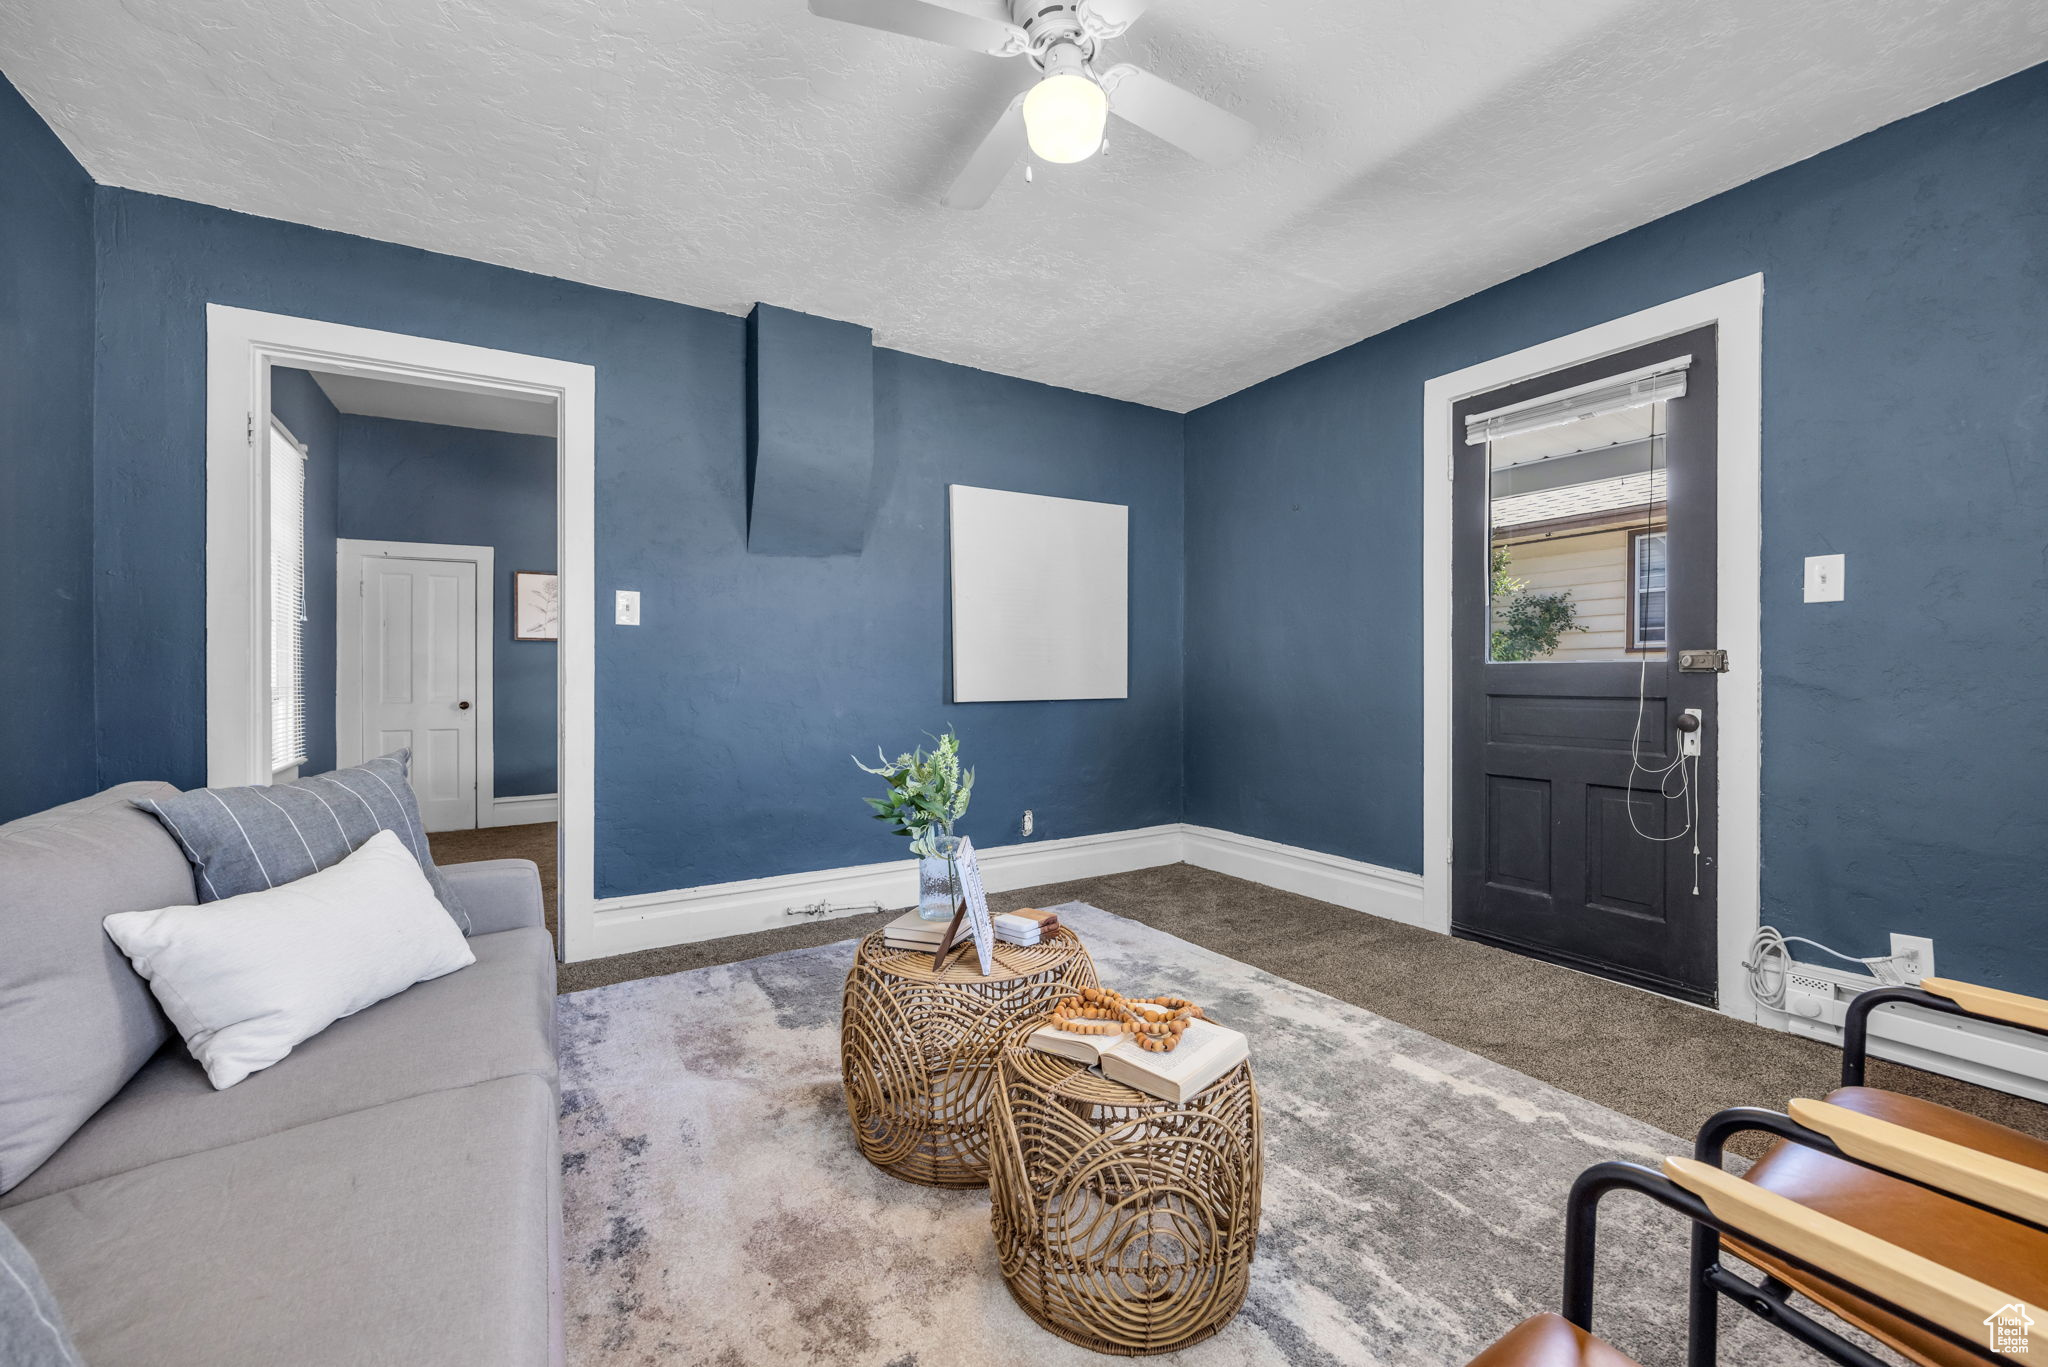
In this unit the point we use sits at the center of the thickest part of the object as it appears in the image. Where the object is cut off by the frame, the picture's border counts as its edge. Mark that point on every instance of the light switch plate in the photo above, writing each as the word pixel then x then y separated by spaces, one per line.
pixel 629 608
pixel 1824 575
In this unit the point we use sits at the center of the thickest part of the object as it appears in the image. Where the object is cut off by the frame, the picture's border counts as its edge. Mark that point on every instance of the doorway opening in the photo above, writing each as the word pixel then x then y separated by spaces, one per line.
pixel 426 532
pixel 429 511
pixel 400 555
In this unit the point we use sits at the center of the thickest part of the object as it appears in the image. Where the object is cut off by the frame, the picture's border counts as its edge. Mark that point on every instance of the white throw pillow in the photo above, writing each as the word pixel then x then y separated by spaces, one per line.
pixel 246 978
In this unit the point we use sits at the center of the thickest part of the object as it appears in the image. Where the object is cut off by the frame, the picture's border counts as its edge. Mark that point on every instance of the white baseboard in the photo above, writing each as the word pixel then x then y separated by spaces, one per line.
pixel 1974 1051
pixel 652 920
pixel 655 919
pixel 521 811
pixel 1352 883
pixel 1963 1049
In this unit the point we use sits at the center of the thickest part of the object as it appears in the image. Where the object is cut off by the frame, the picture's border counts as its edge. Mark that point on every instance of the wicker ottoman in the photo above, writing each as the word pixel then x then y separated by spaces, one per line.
pixel 918 1051
pixel 1124 1223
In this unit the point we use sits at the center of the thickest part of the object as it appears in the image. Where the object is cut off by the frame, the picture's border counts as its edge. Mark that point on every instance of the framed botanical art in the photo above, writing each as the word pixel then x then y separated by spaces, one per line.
pixel 536 606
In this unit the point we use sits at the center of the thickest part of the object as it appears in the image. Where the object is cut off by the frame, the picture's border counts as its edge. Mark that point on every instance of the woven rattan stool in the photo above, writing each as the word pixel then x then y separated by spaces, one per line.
pixel 918 1051
pixel 1124 1223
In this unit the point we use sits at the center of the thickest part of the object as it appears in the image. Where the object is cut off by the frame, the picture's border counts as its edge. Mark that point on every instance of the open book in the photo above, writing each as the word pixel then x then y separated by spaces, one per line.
pixel 1206 1052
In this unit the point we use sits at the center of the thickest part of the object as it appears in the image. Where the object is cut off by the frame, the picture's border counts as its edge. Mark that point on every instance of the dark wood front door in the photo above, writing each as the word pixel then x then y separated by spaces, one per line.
pixel 1585 556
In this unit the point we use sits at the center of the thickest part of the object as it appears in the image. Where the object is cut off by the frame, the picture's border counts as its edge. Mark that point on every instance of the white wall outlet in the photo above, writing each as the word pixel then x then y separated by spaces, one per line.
pixel 1025 829
pixel 1921 947
pixel 629 608
pixel 1824 578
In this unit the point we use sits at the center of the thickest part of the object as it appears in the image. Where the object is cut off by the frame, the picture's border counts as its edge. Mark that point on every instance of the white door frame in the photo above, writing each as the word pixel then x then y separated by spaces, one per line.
pixel 241 347
pixel 350 555
pixel 1737 309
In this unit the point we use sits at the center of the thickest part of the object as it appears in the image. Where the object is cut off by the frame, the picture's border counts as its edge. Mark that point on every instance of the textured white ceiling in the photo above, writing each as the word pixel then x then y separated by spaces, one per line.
pixel 497 412
pixel 720 152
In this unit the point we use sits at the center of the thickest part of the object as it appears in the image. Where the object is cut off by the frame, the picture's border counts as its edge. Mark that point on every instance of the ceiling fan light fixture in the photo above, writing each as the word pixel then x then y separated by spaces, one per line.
pixel 1064 116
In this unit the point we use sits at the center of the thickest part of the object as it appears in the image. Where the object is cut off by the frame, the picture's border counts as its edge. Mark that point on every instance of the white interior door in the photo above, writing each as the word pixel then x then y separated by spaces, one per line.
pixel 418 678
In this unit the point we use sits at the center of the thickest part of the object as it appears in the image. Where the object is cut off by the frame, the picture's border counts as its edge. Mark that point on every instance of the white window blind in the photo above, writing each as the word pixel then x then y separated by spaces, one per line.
pixel 287 601
pixel 1615 394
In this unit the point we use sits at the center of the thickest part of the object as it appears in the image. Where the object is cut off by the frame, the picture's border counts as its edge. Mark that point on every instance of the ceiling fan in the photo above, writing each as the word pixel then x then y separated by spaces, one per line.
pixel 1062 117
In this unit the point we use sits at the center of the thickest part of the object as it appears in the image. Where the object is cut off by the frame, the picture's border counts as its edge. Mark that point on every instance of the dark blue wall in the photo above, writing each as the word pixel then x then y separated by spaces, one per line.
pixel 1905 778
pixel 726 721
pixel 418 481
pixel 46 377
pixel 297 401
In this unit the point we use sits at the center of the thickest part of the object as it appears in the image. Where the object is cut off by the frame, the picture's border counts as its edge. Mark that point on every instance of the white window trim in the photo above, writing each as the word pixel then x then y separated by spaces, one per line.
pixel 278 432
pixel 1638 537
pixel 242 345
pixel 1736 308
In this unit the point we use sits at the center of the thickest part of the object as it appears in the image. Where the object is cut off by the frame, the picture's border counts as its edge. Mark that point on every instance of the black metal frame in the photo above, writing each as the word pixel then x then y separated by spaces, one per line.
pixel 1709 1281
pixel 1766 1301
pixel 1856 1024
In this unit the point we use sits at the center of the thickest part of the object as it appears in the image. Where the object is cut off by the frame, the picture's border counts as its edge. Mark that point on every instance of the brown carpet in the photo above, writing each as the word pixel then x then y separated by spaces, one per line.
pixel 1646 1056
pixel 536 842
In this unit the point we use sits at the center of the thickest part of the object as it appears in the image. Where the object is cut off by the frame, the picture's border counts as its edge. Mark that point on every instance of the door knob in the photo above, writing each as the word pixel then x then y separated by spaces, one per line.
pixel 463 705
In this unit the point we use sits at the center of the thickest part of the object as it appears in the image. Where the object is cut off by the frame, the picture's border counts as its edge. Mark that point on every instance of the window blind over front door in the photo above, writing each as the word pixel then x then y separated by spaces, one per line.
pixel 1618 394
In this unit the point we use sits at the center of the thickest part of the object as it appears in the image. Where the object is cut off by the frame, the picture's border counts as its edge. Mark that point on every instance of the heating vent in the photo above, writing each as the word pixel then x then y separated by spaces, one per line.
pixel 1815 997
pixel 832 909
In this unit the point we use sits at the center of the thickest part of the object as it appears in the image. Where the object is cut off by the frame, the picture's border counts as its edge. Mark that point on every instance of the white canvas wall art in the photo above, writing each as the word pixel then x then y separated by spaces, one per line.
pixel 1040 591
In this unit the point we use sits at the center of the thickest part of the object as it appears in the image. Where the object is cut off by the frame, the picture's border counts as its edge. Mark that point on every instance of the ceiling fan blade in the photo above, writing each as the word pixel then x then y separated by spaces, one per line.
pixel 991 161
pixel 934 23
pixel 1109 18
pixel 1186 120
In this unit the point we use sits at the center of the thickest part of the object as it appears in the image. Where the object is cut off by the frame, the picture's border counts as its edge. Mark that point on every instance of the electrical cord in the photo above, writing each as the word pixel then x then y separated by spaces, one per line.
pixel 1769 954
pixel 1688 775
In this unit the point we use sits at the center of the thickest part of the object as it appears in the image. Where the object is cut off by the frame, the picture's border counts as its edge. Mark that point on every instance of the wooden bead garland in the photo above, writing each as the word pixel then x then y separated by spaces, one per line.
pixel 1157 1022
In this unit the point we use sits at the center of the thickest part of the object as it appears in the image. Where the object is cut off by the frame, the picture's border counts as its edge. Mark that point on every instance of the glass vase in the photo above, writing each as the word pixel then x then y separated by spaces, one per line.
pixel 936 897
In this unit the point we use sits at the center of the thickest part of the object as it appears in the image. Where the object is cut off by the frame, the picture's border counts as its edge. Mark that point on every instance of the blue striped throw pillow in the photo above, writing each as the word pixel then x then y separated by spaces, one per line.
pixel 248 839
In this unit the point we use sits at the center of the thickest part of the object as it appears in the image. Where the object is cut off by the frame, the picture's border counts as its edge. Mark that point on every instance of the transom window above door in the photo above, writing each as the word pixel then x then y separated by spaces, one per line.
pixel 1577 515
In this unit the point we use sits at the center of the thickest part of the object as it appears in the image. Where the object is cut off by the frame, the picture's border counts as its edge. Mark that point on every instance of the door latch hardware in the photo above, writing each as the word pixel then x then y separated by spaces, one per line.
pixel 1703 662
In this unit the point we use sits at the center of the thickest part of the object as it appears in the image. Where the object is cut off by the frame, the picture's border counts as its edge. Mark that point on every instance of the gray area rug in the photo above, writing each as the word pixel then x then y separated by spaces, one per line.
pixel 717 1212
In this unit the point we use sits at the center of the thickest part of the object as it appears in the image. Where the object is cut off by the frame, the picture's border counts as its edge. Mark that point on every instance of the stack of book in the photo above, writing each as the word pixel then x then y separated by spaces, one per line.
pixel 912 932
pixel 1205 1053
pixel 1024 926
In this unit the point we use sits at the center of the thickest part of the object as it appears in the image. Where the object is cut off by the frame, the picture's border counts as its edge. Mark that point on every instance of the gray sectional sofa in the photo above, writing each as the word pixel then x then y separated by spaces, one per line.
pixel 388 1193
